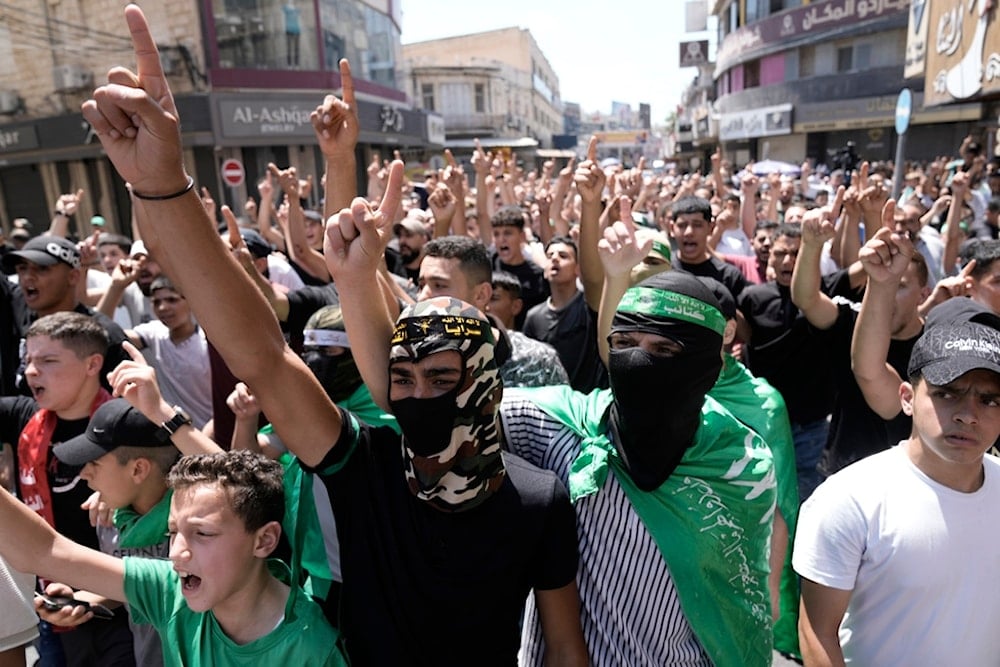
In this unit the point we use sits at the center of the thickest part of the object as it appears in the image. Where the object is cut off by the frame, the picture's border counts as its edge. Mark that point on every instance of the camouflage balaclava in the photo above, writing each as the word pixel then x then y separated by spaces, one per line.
pixel 451 443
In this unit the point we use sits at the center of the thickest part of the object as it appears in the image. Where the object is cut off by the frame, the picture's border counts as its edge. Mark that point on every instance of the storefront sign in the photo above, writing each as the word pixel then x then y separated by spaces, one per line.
pixel 963 52
pixel 763 122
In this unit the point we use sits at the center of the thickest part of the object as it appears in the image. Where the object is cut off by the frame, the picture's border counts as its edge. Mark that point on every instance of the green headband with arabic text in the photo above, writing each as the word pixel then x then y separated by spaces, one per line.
pixel 674 306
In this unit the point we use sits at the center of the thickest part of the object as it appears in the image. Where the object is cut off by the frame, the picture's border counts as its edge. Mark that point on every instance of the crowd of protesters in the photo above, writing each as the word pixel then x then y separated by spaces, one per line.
pixel 582 413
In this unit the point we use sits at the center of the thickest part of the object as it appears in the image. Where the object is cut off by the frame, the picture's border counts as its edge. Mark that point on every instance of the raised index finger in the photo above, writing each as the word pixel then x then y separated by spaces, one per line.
pixel 133 352
pixel 889 214
pixel 346 82
pixel 393 191
pixel 147 58
pixel 233 227
pixel 592 149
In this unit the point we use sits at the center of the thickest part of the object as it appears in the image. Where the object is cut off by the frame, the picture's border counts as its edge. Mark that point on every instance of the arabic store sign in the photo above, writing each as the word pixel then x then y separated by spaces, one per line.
pixel 963 52
pixel 802 21
pixel 763 122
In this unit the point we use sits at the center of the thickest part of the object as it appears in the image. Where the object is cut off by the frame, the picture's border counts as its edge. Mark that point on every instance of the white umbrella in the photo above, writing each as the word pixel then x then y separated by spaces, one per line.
pixel 765 167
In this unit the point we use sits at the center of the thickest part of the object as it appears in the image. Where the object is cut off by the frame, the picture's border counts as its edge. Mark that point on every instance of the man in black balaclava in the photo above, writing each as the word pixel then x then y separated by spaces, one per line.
pixel 674 497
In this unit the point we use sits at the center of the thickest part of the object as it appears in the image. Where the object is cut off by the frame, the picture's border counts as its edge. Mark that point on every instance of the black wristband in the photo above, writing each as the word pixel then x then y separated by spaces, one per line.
pixel 190 186
pixel 63 214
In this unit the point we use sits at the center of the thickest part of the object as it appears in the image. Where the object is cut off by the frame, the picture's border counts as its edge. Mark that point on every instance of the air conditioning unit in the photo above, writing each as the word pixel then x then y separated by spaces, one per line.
pixel 72 78
pixel 10 101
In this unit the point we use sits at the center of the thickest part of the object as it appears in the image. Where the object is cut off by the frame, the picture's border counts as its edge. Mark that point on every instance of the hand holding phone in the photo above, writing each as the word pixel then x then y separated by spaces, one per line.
pixel 59 602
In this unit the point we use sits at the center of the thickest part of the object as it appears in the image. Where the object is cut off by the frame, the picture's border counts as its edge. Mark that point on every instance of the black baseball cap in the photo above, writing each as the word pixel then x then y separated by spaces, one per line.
pixel 947 351
pixel 961 309
pixel 114 424
pixel 255 243
pixel 44 251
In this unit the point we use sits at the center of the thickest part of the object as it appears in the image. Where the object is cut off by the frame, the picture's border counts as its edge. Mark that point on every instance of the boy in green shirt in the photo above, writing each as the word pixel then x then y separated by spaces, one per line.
pixel 217 600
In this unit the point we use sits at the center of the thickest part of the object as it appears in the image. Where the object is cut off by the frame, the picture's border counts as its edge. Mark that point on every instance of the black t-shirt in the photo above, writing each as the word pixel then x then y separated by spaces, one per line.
pixel 713 267
pixel 67 490
pixel 787 351
pixel 857 431
pixel 307 278
pixel 11 303
pixel 426 587
pixel 572 331
pixel 534 286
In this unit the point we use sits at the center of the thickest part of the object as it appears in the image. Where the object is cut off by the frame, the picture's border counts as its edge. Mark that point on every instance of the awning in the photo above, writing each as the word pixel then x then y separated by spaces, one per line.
pixel 492 142
pixel 555 153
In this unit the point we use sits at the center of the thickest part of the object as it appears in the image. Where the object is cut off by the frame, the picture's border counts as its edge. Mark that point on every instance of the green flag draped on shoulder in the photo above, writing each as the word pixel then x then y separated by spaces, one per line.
pixel 710 520
pixel 760 406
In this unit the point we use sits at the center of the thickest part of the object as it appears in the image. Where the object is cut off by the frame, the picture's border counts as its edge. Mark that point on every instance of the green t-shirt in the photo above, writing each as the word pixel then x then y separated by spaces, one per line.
pixel 303 638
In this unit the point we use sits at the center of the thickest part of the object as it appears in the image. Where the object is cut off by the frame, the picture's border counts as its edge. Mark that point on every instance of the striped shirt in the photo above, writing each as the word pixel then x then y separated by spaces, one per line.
pixel 630 611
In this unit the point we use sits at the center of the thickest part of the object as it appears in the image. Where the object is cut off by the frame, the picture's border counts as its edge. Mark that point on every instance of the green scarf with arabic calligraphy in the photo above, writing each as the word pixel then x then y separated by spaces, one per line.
pixel 711 519
pixel 760 406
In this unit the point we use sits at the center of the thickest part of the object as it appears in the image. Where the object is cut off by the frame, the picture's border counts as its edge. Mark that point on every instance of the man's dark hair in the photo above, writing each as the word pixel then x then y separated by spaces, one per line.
pixel 789 230
pixel 251 482
pixel 115 239
pixel 985 252
pixel 473 258
pixel 731 197
pixel 994 203
pixel 765 224
pixel 162 282
pixel 692 204
pixel 508 282
pixel 565 240
pixel 77 332
pixel 508 216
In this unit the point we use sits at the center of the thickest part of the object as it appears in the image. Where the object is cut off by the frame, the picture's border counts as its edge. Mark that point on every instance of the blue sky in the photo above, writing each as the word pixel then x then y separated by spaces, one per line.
pixel 625 51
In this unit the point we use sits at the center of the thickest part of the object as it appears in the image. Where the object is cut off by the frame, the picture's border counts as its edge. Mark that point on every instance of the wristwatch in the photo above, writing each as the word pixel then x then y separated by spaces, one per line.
pixel 169 427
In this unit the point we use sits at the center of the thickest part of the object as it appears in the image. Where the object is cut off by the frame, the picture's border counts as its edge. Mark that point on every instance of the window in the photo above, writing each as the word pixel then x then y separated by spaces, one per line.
pixel 480 94
pixel 845 59
pixel 751 74
pixel 427 95
pixel 807 61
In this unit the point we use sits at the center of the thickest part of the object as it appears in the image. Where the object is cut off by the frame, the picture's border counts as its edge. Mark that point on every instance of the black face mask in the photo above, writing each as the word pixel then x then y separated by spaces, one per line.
pixel 657 407
pixel 337 374
pixel 427 423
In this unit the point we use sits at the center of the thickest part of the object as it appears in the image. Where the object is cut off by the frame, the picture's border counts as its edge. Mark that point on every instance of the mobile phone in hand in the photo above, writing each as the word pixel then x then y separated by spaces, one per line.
pixel 57 602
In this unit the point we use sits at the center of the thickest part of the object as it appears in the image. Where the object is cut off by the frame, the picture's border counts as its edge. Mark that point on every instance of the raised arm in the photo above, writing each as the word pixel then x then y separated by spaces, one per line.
pixel 137 122
pixel 954 236
pixel 481 164
pixel 749 186
pixel 66 207
pixel 337 129
pixel 135 381
pixel 619 252
pixel 817 229
pixel 590 180
pixel 295 226
pixel 885 259
pixel 355 242
pixel 454 178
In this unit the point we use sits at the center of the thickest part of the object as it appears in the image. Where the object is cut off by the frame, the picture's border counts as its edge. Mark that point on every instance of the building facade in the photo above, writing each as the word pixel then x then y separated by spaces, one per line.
pixel 798 79
pixel 496 86
pixel 245 73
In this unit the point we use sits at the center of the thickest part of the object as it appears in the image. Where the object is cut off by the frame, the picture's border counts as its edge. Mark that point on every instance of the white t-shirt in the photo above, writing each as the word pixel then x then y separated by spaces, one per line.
pixel 921 559
pixel 735 242
pixel 280 272
pixel 183 370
